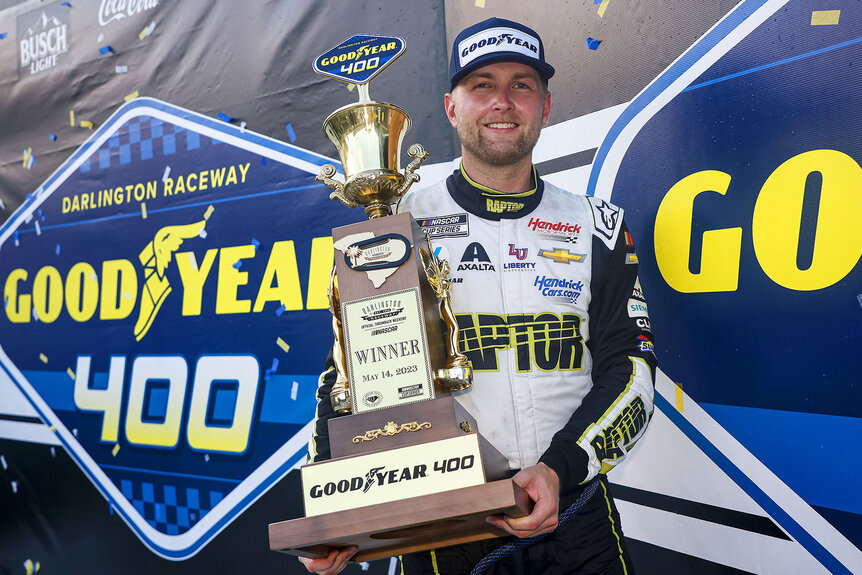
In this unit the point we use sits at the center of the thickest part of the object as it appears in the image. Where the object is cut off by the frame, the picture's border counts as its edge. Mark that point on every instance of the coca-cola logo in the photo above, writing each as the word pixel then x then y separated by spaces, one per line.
pixel 111 10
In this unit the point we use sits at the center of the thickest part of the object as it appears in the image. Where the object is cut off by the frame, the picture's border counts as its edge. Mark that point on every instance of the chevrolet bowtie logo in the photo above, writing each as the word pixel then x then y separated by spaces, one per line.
pixel 562 256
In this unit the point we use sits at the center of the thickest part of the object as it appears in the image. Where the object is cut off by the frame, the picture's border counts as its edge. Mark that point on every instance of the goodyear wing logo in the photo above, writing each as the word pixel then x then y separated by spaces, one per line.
pixel 155 259
pixel 359 59
pixel 749 254
pixel 165 313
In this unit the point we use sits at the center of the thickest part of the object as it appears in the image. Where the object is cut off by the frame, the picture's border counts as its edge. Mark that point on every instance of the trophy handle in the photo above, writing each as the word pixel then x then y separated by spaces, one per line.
pixel 458 373
pixel 340 394
pixel 324 176
pixel 416 151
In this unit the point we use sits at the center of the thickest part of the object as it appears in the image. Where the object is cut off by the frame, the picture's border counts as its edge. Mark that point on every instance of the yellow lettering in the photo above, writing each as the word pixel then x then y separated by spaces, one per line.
pixel 282 268
pixel 181 186
pixel 217 177
pixel 169 185
pixel 719 266
pixel 76 207
pixel 202 180
pixel 230 278
pixel 48 294
pixel 189 182
pixel 67 205
pixel 193 278
pixel 243 169
pixel 118 278
pixel 85 202
pixel 318 273
pixel 778 215
pixel 17 307
pixel 82 291
pixel 231 176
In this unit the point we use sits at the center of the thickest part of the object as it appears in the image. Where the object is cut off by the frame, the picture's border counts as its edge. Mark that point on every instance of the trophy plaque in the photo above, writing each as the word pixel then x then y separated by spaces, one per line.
pixel 409 469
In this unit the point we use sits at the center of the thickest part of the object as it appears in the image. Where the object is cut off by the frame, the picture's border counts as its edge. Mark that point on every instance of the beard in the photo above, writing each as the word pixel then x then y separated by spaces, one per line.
pixel 498 153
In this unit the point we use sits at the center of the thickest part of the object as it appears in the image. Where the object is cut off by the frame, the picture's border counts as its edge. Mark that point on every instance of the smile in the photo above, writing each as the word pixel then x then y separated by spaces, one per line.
pixel 500 125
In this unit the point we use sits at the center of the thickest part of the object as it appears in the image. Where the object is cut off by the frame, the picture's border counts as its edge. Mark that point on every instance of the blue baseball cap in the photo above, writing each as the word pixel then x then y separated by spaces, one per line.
pixel 497 40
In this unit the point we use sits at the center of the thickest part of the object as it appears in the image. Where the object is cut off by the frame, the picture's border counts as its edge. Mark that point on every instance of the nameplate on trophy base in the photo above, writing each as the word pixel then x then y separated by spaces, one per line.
pixel 387 476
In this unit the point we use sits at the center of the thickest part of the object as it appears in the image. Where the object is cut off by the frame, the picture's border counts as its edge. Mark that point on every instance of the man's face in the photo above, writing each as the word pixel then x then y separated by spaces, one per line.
pixel 498 111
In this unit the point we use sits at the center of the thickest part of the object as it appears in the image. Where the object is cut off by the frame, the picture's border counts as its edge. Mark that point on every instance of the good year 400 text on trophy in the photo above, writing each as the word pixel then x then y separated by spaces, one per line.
pixel 409 470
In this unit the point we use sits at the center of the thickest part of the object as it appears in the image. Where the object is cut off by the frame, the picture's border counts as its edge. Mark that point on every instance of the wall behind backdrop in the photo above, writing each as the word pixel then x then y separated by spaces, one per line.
pixel 715 125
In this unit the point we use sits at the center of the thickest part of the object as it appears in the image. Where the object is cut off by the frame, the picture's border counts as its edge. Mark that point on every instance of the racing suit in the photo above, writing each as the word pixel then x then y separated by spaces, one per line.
pixel 554 322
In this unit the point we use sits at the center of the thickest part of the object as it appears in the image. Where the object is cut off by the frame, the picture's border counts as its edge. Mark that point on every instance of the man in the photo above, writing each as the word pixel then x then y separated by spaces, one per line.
pixel 550 311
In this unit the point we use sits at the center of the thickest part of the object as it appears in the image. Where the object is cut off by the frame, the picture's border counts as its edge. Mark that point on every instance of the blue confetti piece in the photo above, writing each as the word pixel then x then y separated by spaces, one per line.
pixel 57 250
pixel 105 50
pixel 110 507
pixel 15 237
pixel 238 264
pixel 224 117
pixel 255 243
pixel 69 4
pixel 592 43
pixel 280 310
pixel 290 133
pixel 2 35
pixel 274 366
pixel 41 215
pixel 53 137
pixel 266 376
pixel 263 161
pixel 597 1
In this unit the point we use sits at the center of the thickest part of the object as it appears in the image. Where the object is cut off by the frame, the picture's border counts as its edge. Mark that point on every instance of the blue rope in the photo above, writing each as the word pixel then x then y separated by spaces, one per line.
pixel 513 546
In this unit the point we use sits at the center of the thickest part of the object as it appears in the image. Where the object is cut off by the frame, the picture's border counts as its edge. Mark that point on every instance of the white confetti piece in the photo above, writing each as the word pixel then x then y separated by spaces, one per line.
pixel 293 390
pixel 100 38
pixel 35 315
pixel 53 452
pixel 2 205
pixel 209 212
pixel 242 126
pixel 75 432
pixel 93 277
pixel 192 260
pixel 128 296
pixel 3 462
pixel 207 457
pixel 38 228
pixel 393 564
pixel 365 565
pixel 167 173
pixel 121 69
pixel 203 233
pixel 143 210
pixel 14 487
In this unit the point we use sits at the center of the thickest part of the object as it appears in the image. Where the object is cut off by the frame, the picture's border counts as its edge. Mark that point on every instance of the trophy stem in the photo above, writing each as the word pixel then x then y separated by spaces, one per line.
pixel 378 210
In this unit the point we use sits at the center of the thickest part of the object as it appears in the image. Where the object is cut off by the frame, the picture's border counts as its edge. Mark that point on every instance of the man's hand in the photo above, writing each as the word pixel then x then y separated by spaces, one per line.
pixel 543 486
pixel 332 563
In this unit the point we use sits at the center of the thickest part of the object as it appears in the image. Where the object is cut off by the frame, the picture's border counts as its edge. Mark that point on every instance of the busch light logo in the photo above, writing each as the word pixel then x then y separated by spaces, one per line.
pixel 112 10
pixel 44 36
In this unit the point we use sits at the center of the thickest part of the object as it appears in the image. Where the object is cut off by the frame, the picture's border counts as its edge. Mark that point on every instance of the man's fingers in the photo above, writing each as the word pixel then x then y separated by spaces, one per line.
pixel 332 563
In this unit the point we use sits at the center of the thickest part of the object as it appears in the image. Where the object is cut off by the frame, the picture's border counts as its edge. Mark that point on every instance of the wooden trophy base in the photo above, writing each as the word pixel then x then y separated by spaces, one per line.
pixel 405 526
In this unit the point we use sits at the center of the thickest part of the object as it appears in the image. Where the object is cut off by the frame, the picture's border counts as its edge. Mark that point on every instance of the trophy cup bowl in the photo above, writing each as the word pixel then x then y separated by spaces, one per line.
pixel 368 137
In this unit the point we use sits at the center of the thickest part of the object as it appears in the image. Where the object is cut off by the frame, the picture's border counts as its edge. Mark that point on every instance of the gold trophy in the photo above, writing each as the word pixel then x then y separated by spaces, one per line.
pixel 409 470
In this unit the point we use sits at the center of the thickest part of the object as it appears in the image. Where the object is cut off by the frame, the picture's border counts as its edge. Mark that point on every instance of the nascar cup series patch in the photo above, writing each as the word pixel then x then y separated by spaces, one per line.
pixel 152 289
pixel 359 59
